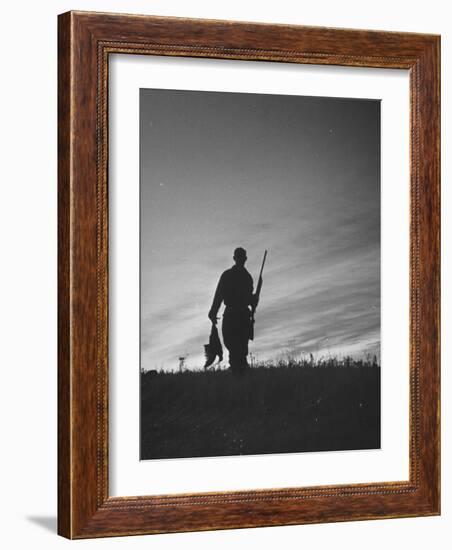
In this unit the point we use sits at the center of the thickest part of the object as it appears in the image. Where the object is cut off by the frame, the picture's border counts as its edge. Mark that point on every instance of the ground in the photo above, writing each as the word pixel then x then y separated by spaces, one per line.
pixel 288 408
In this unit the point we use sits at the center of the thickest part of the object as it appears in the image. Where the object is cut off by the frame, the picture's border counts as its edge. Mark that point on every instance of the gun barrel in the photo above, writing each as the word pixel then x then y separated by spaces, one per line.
pixel 258 292
pixel 259 282
pixel 262 266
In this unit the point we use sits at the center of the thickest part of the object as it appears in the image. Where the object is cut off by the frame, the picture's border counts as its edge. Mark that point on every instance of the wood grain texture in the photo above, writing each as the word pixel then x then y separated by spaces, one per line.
pixel 85 42
pixel 64 295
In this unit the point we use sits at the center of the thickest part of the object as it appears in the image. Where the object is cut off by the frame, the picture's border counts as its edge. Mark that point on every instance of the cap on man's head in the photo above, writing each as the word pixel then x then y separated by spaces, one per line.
pixel 239 253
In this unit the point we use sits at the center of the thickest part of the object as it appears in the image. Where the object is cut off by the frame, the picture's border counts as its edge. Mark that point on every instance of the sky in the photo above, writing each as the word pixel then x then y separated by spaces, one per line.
pixel 298 176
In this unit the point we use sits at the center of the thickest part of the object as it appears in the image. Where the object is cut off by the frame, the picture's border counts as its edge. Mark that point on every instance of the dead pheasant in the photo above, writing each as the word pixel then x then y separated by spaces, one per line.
pixel 213 349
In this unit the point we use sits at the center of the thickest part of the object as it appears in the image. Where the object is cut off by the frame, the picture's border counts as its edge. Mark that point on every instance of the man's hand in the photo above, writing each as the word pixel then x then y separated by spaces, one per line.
pixel 254 301
pixel 212 316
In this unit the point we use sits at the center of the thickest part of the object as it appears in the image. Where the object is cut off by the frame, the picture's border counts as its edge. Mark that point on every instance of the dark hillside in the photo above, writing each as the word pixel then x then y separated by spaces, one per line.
pixel 284 409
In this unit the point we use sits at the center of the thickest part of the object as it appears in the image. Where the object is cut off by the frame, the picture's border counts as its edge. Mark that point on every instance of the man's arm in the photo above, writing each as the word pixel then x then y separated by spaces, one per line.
pixel 217 299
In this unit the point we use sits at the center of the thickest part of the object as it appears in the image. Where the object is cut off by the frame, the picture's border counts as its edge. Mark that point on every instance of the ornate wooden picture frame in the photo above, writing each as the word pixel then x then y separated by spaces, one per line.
pixel 85 43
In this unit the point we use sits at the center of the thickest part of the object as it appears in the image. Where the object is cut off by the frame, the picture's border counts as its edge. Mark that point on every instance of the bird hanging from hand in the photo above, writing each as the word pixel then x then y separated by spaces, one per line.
pixel 213 349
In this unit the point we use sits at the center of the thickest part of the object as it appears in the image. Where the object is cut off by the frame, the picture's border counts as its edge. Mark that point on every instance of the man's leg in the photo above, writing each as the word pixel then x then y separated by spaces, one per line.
pixel 242 336
pixel 235 330
pixel 228 338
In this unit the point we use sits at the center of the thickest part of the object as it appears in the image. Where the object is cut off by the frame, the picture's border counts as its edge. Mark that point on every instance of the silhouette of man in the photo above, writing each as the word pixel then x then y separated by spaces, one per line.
pixel 235 289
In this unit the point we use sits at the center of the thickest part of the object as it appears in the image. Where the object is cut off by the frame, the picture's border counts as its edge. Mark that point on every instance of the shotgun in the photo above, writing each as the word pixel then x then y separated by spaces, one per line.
pixel 256 297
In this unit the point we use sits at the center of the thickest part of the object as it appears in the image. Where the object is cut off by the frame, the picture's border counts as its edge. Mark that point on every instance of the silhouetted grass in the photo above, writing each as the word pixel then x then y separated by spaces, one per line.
pixel 290 406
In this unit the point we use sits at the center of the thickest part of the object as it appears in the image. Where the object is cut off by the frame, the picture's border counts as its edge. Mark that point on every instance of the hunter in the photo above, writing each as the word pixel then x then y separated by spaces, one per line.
pixel 235 289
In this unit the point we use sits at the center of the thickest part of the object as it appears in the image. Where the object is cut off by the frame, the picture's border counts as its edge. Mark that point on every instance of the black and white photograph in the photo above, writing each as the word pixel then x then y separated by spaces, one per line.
pixel 224 235
pixel 260 274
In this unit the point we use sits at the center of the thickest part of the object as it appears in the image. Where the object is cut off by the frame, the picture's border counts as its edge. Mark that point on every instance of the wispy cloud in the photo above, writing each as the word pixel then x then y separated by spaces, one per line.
pixel 297 176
